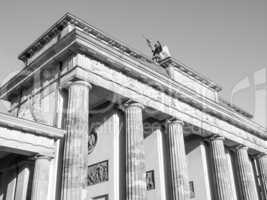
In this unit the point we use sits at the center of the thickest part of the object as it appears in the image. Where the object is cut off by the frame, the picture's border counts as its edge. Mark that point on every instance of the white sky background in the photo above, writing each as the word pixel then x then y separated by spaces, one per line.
pixel 225 40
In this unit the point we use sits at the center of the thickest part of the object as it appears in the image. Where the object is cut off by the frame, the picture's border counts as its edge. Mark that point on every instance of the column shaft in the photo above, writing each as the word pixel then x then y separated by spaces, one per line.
pixel 22 182
pixel 135 161
pixel 262 166
pixel 76 142
pixel 247 185
pixel 220 170
pixel 178 163
pixel 41 178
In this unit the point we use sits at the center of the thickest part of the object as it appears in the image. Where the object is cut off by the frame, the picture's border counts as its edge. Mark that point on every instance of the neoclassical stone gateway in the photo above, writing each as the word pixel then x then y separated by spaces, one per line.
pixel 93 119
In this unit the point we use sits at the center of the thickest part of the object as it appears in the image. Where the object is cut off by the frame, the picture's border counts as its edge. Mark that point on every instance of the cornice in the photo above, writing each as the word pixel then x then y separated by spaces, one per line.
pixel 77 22
pixel 235 108
pixel 114 43
pixel 190 72
pixel 59 49
pixel 29 126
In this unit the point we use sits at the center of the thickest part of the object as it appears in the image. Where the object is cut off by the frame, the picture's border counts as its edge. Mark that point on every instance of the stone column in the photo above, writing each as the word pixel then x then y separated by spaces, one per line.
pixel 135 158
pixel 221 175
pixel 262 166
pixel 22 181
pixel 10 179
pixel 76 142
pixel 245 174
pixel 41 178
pixel 178 163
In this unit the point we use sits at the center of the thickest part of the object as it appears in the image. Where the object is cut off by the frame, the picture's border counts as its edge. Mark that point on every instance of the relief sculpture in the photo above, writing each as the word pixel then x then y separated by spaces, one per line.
pixel 92 140
pixel 97 173
pixel 150 180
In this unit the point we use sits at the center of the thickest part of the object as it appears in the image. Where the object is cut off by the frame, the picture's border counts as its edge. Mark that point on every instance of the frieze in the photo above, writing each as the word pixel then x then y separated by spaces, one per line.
pixel 219 111
pixel 98 173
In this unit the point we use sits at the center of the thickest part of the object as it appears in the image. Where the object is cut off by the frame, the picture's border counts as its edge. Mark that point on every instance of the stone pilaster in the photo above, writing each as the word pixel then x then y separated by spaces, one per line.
pixel 41 178
pixel 247 185
pixel 221 175
pixel 135 158
pixel 76 142
pixel 178 163
pixel 262 167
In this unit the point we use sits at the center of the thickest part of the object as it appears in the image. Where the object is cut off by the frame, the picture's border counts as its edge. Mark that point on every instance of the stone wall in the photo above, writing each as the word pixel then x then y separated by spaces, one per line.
pixel 37 100
pixel 105 162
pixel 154 157
pixel 198 171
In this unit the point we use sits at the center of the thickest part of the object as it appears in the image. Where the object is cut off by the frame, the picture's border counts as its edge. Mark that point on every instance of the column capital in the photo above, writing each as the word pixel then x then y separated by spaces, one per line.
pixel 261 155
pixel 131 103
pixel 39 157
pixel 173 120
pixel 240 146
pixel 215 137
pixel 77 82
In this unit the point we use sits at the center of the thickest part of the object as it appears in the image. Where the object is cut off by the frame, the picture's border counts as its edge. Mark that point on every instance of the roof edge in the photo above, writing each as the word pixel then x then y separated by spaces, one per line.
pixel 190 72
pixel 68 18
pixel 45 37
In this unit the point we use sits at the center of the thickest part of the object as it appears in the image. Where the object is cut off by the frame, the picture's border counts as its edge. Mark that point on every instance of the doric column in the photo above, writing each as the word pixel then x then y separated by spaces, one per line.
pixel 247 185
pixel 41 178
pixel 76 142
pixel 221 175
pixel 22 181
pixel 135 158
pixel 262 167
pixel 178 163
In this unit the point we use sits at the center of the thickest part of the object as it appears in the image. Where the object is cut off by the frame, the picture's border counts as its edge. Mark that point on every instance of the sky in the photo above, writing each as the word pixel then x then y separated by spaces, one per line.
pixel 224 40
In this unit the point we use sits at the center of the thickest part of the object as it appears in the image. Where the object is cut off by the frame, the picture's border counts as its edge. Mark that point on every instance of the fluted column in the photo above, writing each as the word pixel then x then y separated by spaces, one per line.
pixel 76 142
pixel 41 178
pixel 262 166
pixel 22 181
pixel 247 185
pixel 178 163
pixel 221 175
pixel 135 159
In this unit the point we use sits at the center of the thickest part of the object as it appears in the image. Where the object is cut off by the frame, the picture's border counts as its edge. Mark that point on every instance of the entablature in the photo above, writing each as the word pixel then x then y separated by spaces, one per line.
pixel 129 87
pixel 23 125
pixel 81 40
pixel 27 137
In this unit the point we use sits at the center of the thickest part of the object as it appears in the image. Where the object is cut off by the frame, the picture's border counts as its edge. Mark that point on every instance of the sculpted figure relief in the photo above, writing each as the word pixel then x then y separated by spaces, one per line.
pixel 92 140
pixel 97 173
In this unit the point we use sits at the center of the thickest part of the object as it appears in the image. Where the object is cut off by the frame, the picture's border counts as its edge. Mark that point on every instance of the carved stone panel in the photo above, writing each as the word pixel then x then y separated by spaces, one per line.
pixel 150 180
pixel 92 140
pixel 192 189
pixel 103 197
pixel 97 173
